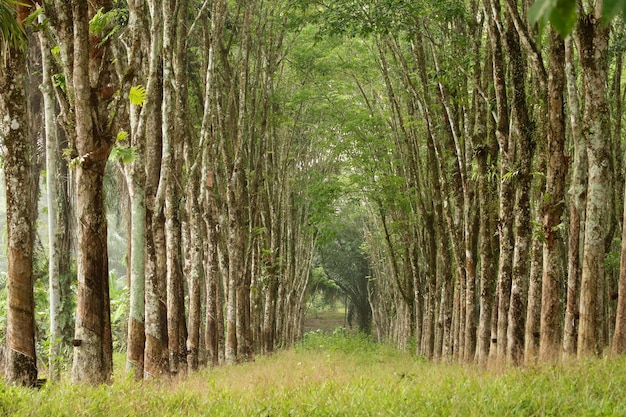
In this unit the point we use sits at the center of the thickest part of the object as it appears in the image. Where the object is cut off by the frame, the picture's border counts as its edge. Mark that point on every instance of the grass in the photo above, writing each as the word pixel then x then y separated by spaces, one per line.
pixel 340 375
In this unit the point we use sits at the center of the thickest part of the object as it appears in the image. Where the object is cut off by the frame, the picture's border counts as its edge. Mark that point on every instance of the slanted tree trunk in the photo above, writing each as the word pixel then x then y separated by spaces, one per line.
pixel 20 357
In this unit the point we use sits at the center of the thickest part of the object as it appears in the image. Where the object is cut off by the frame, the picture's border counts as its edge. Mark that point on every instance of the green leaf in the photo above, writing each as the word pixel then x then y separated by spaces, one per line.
pixel 612 8
pixel 32 18
pixel 121 135
pixel 563 17
pixel 124 154
pixel 541 10
pixel 59 81
pixel 11 32
pixel 560 13
pixel 98 23
pixel 137 95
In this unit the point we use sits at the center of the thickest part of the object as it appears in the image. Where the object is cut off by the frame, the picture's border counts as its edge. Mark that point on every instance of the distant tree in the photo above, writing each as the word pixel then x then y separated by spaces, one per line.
pixel 344 260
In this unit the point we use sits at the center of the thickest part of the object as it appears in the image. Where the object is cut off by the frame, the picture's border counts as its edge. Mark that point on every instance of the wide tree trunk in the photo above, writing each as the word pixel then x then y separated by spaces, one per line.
pixel 20 357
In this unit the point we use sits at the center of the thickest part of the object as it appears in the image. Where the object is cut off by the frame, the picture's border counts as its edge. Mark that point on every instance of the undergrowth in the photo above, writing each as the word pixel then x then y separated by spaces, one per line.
pixel 342 375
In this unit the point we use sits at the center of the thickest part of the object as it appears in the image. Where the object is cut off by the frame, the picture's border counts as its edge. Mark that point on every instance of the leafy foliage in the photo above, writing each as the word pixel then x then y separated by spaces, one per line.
pixel 562 14
pixel 12 34
pixel 124 154
pixel 119 311
pixel 363 17
pixel 137 95
pixel 323 291
pixel 107 24
pixel 345 263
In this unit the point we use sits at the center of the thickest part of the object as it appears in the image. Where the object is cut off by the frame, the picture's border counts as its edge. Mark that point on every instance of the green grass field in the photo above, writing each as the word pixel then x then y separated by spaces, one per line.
pixel 337 375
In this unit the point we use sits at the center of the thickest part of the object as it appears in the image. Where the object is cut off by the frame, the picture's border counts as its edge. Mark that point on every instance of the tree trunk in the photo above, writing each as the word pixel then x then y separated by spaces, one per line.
pixel 136 319
pixel 533 309
pixel 487 264
pixel 525 131
pixel 171 170
pixel 618 346
pixel 507 191
pixel 577 205
pixel 554 202
pixel 592 38
pixel 135 175
pixel 195 249
pixel 20 356
pixel 55 209
pixel 155 320
pixel 93 345
pixel 213 286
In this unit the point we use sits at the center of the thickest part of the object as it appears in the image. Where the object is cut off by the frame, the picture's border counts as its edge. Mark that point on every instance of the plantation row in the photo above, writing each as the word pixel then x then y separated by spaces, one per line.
pixel 452 170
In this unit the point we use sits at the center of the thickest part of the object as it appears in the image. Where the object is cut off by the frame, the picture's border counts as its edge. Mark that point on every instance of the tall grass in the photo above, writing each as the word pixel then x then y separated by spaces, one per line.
pixel 342 375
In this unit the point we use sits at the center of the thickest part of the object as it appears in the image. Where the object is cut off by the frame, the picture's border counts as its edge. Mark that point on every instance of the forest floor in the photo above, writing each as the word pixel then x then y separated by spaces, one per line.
pixel 341 375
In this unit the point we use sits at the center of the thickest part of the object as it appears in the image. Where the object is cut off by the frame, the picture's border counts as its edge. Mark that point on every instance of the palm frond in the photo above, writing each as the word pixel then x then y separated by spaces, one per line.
pixel 12 34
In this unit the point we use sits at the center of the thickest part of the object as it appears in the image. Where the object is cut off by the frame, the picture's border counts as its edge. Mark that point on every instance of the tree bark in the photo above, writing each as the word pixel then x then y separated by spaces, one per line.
pixel 618 346
pixel 155 356
pixel 55 209
pixel 592 39
pixel 578 195
pixel 554 202
pixel 20 355
pixel 93 345
pixel 135 174
pixel 525 131
pixel 507 192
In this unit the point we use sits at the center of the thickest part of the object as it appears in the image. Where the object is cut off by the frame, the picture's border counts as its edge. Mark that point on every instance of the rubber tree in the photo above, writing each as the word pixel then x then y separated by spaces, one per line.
pixel 20 356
